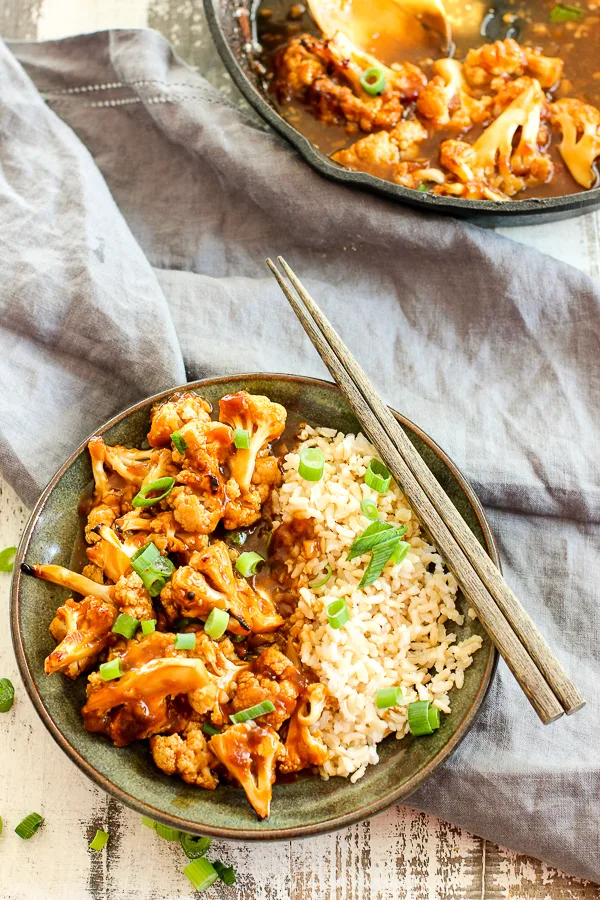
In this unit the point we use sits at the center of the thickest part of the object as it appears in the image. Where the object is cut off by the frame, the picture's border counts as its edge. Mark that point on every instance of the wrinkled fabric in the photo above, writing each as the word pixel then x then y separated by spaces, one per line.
pixel 137 208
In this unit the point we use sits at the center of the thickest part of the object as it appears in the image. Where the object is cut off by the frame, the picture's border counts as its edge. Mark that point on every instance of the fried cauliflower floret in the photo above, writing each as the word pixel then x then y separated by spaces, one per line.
pixel 100 515
pixel 272 677
pixel 241 510
pixel 547 69
pixel 131 597
pixel 93 572
pixel 186 755
pixel 249 753
pixel 132 465
pixel 83 631
pixel 298 65
pixel 109 554
pixel 379 151
pixel 197 509
pixel 447 100
pixel 264 421
pixel 172 414
pixel 580 146
pixel 405 79
pixel 163 526
pixel 105 494
pixel 304 745
pixel 80 584
pixel 508 58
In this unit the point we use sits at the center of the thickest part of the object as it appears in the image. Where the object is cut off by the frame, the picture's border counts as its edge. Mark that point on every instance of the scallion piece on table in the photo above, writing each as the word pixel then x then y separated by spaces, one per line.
pixel 7 694
pixel 386 697
pixel 241 438
pixel 423 718
pixel 253 712
pixel 201 873
pixel 7 559
pixel 144 557
pixel 125 625
pixel 216 624
pixel 337 613
pixel 368 508
pixel 378 476
pixel 209 729
pixel 312 464
pixel 193 845
pixel 179 441
pixel 29 825
pixel 167 833
pixel 148 626
pixel 165 485
pixel 372 80
pixel 225 873
pixel 149 823
pixel 400 552
pixel 322 579
pixel 100 840
pixel 186 641
pixel 248 562
pixel 566 12
pixel 111 669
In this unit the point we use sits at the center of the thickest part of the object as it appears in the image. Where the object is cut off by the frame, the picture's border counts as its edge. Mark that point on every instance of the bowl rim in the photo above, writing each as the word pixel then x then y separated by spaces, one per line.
pixel 528 208
pixel 333 823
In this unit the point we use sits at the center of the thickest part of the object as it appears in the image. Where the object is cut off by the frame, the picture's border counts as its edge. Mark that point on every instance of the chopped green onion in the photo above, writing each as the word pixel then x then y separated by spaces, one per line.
pixel 1 825
pixel 180 624
pixel 29 825
pixel 400 552
pixel 148 626
pixel 374 534
pixel 162 565
pixel 167 833
pixel 179 441
pixel 165 485
pixel 372 80
pixel 312 464
pixel 322 579
pixel 201 873
pixel 193 845
pixel 247 563
pixel 380 556
pixel 144 557
pixel 100 840
pixel 209 729
pixel 566 12
pixel 369 508
pixel 7 559
pixel 238 537
pixel 241 439
pixel 149 823
pixel 423 718
pixel 185 641
pixel 378 476
pixel 153 582
pixel 111 669
pixel 7 694
pixel 423 187
pixel 253 712
pixel 237 638
pixel 337 613
pixel 226 873
pixel 125 625
pixel 387 697
pixel 216 624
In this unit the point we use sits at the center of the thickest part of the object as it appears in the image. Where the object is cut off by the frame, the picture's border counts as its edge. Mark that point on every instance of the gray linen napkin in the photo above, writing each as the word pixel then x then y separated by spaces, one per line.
pixel 136 210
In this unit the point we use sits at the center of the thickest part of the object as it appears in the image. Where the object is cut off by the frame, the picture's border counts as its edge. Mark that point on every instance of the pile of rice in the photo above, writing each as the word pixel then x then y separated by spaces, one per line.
pixel 400 628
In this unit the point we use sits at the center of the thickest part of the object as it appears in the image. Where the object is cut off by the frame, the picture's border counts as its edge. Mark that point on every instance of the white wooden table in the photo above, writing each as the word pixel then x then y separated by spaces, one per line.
pixel 400 855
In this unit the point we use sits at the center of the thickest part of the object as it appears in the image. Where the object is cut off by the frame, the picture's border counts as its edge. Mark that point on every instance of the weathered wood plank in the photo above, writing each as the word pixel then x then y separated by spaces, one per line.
pixel 19 19
pixel 511 876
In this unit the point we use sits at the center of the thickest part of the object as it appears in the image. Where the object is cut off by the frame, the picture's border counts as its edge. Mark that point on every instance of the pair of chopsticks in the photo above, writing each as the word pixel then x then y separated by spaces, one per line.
pixel 510 627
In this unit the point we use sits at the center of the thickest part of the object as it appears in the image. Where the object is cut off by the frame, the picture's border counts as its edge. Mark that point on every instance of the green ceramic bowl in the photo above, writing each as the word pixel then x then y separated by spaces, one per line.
pixel 308 806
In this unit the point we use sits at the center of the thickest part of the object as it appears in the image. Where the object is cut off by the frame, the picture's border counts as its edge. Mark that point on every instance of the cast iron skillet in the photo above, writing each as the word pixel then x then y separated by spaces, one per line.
pixel 229 22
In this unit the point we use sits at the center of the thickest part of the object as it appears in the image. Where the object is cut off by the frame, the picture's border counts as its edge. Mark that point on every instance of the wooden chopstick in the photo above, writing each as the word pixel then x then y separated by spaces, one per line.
pixel 443 522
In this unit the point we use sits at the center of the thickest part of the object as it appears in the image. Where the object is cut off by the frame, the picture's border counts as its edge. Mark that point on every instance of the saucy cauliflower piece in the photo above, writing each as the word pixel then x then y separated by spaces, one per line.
pixel 172 414
pixel 83 631
pixel 262 419
pixel 447 100
pixel 580 145
pixel 272 676
pixel 379 151
pixel 131 597
pixel 187 755
pixel 249 752
pixel 509 58
pixel 304 745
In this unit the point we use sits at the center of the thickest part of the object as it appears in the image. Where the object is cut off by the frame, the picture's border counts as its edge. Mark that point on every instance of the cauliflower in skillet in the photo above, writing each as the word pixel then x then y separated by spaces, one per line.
pixel 83 630
pixel 509 58
pixel 187 755
pixel 580 145
pixel 447 100
pixel 249 752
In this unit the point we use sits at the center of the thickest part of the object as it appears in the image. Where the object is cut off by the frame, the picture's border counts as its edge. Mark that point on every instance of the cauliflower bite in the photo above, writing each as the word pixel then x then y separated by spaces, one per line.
pixel 172 414
pixel 579 124
pixel 272 676
pixel 187 755
pixel 304 746
pixel 249 752
pixel 82 630
pixel 509 58
pixel 262 419
pixel 448 101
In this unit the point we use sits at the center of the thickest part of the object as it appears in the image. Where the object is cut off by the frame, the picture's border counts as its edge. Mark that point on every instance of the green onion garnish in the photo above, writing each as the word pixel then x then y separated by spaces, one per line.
pixel 423 718
pixel 100 840
pixel 144 557
pixel 153 569
pixel 167 833
pixel 149 823
pixel 387 697
pixel 423 187
pixel 226 873
pixel 382 540
pixel 148 626
pixel 378 476
pixel 241 439
pixel 7 559
pixel 400 552
pixel 28 827
pixel 111 669
pixel 209 729
pixel 165 485
pixel 566 12
pixel 7 694
pixel 374 534
pixel 248 562
pixel 125 625
pixel 193 845
pixel 237 537
pixel 337 613
pixel 253 712
pixel 380 556
pixel 153 582
pixel 201 873
pixel 162 565
pixel 312 464
pixel 369 509
pixel 322 579
pixel 372 80
pixel 180 444
pixel 216 624
pixel 185 641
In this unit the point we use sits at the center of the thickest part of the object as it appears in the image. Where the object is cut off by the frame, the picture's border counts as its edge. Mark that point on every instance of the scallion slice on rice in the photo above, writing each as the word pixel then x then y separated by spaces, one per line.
pixel 322 579
pixel 423 718
pixel 337 613
pixel 386 697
